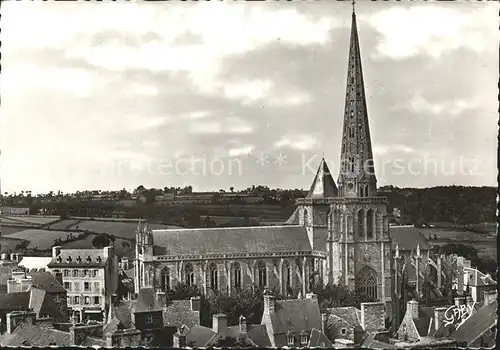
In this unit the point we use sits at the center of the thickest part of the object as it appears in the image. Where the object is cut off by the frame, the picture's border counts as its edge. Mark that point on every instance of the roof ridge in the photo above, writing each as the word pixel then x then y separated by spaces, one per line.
pixel 223 228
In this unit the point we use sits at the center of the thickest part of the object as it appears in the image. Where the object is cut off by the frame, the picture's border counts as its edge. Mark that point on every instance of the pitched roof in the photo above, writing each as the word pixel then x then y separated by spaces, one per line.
pixel 37 296
pixel 14 301
pixel 371 342
pixel 146 301
pixel 349 314
pixel 408 237
pixel 47 282
pixel 296 315
pixel 179 312
pixel 476 325
pixel 35 262
pixel 256 335
pixel 231 240
pixel 294 218
pixel 199 336
pixel 97 258
pixel 318 339
pixel 323 185
pixel 477 278
pixel 425 314
pixel 28 334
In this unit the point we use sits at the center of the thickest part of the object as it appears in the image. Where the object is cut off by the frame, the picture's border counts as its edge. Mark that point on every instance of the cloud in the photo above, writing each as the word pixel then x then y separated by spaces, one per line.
pixel 246 150
pixel 298 142
pixel 431 30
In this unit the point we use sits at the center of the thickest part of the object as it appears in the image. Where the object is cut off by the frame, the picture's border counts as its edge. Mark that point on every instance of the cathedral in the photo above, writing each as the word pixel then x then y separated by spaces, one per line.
pixel 339 233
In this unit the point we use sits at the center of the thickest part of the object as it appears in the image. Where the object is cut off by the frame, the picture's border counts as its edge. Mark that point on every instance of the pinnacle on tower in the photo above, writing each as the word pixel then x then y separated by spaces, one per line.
pixel 323 185
pixel 357 176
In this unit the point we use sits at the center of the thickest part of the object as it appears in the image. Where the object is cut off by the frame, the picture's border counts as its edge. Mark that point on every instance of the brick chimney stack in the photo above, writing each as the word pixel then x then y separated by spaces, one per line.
pixel 219 324
pixel 373 316
pixel 268 303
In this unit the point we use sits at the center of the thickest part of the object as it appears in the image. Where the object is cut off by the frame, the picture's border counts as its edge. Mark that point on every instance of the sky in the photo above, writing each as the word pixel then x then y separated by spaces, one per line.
pixel 232 94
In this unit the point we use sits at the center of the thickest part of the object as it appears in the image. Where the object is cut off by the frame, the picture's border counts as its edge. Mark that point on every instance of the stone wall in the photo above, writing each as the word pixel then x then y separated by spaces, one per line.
pixel 373 316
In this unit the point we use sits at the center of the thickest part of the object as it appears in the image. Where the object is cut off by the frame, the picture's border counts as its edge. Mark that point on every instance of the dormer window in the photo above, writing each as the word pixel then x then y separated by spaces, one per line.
pixel 89 259
pixel 79 259
pixel 290 339
pixel 343 331
pixel 99 259
pixel 59 259
pixel 303 338
pixel 68 259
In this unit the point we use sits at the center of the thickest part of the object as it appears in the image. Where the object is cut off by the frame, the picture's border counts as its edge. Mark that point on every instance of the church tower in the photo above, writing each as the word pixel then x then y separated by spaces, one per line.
pixel 360 243
pixel 349 223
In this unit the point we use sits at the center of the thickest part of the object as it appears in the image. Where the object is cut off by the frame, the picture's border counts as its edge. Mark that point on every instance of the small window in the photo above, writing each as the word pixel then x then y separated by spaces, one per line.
pixel 67 286
pixel 343 331
pixel 66 273
pixel 291 340
pixel 97 300
pixel 75 273
pixel 86 286
pixel 77 300
pixel 86 273
pixel 303 339
pixel 149 318
pixel 87 300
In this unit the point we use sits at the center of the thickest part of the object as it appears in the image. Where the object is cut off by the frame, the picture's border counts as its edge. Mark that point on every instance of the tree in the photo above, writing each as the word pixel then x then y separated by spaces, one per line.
pixel 231 342
pixel 231 189
pixel 101 241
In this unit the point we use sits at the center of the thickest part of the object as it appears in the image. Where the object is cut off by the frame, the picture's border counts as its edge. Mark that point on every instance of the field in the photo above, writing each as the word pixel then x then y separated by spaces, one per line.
pixel 118 229
pixel 8 244
pixel 64 224
pixel 33 220
pixel 7 230
pixel 42 239
pixel 485 243
pixel 122 247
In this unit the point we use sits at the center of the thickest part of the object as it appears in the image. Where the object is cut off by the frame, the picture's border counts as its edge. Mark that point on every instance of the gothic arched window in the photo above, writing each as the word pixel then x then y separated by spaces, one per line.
pixel 366 284
pixel 369 223
pixel 287 276
pixel 165 279
pixel 349 225
pixel 306 218
pixel 236 275
pixel 214 276
pixel 189 274
pixel 361 216
pixel 261 274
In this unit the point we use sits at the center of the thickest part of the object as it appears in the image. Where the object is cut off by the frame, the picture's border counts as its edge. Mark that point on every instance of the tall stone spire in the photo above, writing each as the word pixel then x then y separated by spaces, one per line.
pixel 357 175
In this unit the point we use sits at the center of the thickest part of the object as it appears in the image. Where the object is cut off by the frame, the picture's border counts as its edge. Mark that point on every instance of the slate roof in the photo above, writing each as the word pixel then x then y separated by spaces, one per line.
pixel 14 301
pixel 231 240
pixel 295 316
pixel 146 301
pixel 47 282
pixel 477 278
pixel 199 336
pixel 179 312
pixel 408 237
pixel 30 335
pixel 349 314
pixel 37 297
pixel 318 339
pixel 323 185
pixel 425 314
pixel 370 342
pixel 83 254
pixel 480 322
pixel 294 218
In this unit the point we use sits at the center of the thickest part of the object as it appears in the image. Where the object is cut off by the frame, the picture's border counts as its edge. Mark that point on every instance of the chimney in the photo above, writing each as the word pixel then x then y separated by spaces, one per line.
pixel 16 317
pixel 373 316
pixel 490 296
pixel 268 303
pixel 412 308
pixel 56 250
pixel 469 301
pixel 161 299
pixel 195 303
pixel 3 256
pixel 243 324
pixel 108 251
pixel 180 337
pixel 459 301
pixel 219 324
pixel 19 257
pixel 439 316
pixel 324 322
pixel 12 257
pixel 78 333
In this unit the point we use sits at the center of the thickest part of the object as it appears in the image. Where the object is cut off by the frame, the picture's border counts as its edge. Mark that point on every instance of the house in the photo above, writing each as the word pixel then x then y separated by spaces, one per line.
pixel 293 322
pixel 179 313
pixel 416 329
pixel 221 334
pixel 89 275
pixel 478 283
